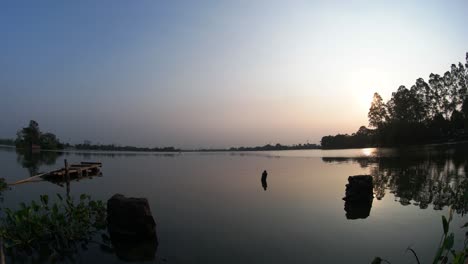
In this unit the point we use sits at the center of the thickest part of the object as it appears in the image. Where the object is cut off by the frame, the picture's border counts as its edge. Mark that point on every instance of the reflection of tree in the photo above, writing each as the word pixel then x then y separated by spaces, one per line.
pixel 439 179
pixel 34 160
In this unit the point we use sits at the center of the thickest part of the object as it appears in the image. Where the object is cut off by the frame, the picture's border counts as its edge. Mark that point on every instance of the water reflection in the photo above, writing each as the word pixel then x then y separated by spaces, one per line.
pixel 89 155
pixel 32 161
pixel 131 250
pixel 358 210
pixel 439 179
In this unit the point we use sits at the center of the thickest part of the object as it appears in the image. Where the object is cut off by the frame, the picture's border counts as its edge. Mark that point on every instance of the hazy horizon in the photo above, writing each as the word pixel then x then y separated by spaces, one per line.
pixel 215 74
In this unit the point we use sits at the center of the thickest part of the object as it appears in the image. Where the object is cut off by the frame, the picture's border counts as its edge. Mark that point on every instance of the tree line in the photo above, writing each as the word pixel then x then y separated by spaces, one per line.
pixel 267 147
pixel 435 111
pixel 111 147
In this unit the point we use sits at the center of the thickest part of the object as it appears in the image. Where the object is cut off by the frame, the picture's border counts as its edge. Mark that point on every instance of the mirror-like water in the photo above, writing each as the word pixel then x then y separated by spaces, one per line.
pixel 216 208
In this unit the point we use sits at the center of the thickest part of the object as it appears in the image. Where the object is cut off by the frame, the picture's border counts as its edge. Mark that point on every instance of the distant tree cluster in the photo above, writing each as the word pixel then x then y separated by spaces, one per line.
pixel 111 147
pixel 276 147
pixel 364 137
pixel 32 137
pixel 7 142
pixel 428 112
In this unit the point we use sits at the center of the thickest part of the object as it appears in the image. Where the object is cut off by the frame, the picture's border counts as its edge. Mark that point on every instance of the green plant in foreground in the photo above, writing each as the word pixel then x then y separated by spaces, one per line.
pixel 446 245
pixel 445 251
pixel 52 229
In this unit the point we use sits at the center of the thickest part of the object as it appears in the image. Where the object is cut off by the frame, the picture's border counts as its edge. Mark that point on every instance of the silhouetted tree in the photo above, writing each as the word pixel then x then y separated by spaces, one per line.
pixel 377 112
pixel 32 135
pixel 433 111
pixel 29 135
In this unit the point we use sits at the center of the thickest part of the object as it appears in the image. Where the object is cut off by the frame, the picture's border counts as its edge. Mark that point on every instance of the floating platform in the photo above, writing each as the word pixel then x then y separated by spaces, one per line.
pixel 75 172
pixel 84 169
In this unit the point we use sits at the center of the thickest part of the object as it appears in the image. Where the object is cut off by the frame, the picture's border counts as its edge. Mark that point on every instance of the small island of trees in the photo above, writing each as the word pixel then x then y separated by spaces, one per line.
pixel 31 137
pixel 429 112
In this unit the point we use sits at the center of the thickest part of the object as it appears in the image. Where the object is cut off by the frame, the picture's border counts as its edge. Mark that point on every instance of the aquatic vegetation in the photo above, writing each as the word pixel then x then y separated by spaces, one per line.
pixel 445 251
pixel 51 230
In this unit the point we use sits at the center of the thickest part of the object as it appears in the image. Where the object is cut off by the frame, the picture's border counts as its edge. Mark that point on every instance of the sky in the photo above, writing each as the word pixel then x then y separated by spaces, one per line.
pixel 209 74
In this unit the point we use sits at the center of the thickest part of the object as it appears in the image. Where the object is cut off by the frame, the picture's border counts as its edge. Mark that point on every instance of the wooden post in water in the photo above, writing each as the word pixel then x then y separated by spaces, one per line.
pixel 2 254
pixel 67 177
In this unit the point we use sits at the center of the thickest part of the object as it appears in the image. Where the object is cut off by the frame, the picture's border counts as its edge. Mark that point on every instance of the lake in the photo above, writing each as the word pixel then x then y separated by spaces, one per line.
pixel 213 207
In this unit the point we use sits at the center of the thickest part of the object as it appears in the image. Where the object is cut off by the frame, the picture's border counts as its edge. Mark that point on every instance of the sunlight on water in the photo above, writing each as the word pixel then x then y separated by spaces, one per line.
pixel 368 151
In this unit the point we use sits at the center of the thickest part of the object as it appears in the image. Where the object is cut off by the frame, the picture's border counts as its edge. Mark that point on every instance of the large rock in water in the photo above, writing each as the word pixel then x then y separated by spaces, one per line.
pixel 359 196
pixel 130 218
pixel 132 228
pixel 359 188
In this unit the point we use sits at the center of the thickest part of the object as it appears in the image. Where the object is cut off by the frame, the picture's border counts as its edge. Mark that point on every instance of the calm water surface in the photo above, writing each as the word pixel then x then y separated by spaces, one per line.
pixel 213 207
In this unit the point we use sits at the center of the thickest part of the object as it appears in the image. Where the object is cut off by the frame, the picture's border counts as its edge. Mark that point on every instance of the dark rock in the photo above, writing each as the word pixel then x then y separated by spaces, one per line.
pixel 359 196
pixel 359 188
pixel 130 218
pixel 132 228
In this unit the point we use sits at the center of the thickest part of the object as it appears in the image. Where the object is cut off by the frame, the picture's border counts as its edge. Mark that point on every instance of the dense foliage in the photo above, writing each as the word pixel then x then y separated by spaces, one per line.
pixel 31 137
pixel 364 137
pixel 428 112
pixel 48 231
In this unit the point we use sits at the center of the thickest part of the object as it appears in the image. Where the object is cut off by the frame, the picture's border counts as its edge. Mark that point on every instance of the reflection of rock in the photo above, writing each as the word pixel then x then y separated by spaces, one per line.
pixel 132 228
pixel 359 196
pixel 358 209
pixel 134 251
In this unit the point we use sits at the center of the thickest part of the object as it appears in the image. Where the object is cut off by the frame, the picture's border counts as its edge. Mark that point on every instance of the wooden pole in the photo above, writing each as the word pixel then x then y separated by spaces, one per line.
pixel 67 177
pixel 28 179
pixel 2 254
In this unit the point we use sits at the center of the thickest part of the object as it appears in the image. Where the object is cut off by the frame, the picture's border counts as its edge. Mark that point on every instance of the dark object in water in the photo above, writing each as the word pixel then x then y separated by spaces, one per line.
pixel 134 251
pixel 264 180
pixel 132 228
pixel 357 210
pixel 359 188
pixel 130 217
pixel 83 169
pixel 359 196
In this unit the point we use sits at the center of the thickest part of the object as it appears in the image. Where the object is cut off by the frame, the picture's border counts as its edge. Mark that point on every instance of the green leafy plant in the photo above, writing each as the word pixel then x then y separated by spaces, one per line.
pixel 52 229
pixel 445 251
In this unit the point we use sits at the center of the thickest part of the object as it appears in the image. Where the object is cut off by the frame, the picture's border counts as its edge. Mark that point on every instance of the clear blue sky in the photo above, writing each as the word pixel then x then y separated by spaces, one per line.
pixel 215 73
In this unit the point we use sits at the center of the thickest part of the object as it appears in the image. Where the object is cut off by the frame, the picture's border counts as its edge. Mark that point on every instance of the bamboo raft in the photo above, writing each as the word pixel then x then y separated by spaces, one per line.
pixel 74 171
pixel 83 169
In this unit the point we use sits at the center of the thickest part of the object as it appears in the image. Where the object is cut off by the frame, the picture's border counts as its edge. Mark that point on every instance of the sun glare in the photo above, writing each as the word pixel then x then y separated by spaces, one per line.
pixel 368 152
